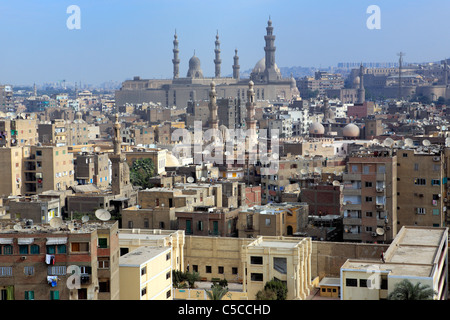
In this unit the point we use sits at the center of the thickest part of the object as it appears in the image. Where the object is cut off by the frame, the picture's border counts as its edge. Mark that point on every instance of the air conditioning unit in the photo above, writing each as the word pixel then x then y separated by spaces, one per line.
pixel 436 158
pixel 374 234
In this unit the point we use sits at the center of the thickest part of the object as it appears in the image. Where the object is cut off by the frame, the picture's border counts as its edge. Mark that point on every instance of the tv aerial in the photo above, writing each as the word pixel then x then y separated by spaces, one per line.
pixel 103 214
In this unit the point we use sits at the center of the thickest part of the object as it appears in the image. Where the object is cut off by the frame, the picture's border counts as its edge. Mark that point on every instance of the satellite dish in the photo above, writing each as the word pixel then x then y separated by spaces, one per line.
pixel 275 155
pixel 103 214
pixel 317 170
pixel 303 171
pixel 380 231
pixel 447 142
pixel 56 222
pixel 97 149
pixel 17 227
pixel 426 143
pixel 444 128
pixel 376 141
pixel 408 142
pixel 388 142
pixel 190 179
pixel 306 153
pixel 336 183
pixel 85 219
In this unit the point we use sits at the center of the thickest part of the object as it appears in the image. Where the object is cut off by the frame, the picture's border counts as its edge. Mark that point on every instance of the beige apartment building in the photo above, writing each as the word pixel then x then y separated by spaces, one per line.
pixel 146 274
pixel 370 197
pixel 421 188
pixel 419 254
pixel 18 132
pixel 34 169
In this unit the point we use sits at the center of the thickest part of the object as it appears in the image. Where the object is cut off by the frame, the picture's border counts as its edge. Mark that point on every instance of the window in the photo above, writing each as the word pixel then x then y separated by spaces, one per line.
pixel 354 168
pixel 208 269
pixel 7 249
pixel 405 155
pixel 256 260
pixel 435 182
pixel 102 243
pixel 168 294
pixel 280 264
pixel 80 246
pixel 103 262
pixel 29 295
pixel 381 169
pixel 54 295
pixel 28 270
pixel 435 212
pixel 167 256
pixel 34 249
pixel 200 225
pixel 368 184
pixel 5 271
pixel 143 291
pixel 62 248
pixel 420 182
pixel 168 275
pixel 220 270
pixel 57 270
pixel 351 282
pixel 416 167
pixel 369 199
pixel 256 277
pixel 143 271
pixel 366 169
pixel 420 210
pixel 23 249
pixel 368 214
pixel 195 268
pixel 267 222
pixel 234 270
pixel 103 286
pixel 363 283
pixel 146 223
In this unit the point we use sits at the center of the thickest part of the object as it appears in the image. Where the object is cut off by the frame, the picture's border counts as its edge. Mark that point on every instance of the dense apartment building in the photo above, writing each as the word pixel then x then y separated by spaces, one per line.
pixel 79 261
pixel 54 133
pixel 93 168
pixel 18 132
pixel 370 197
pixel 34 169
pixel 420 188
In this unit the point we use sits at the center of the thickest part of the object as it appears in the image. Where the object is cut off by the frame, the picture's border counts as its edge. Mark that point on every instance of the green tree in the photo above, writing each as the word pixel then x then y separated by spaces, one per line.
pixel 191 278
pixel 266 294
pixel 178 278
pixel 141 171
pixel 273 290
pixel 217 292
pixel 406 290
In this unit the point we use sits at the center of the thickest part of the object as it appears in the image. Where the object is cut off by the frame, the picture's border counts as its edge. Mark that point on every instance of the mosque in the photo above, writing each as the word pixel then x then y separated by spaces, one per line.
pixel 269 85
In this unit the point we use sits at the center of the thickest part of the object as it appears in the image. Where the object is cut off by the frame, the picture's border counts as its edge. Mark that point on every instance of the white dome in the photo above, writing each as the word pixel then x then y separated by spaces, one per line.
pixel 316 128
pixel 260 66
pixel 172 161
pixel 351 131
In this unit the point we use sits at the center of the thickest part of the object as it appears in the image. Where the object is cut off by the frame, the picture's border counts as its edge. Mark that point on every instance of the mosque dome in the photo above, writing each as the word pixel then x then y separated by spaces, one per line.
pixel 316 128
pixel 172 161
pixel 260 66
pixel 351 131
pixel 195 71
pixel 356 81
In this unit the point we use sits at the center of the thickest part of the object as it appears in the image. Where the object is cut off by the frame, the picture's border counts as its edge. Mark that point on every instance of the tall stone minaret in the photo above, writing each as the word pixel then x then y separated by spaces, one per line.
pixel 213 119
pixel 361 91
pixel 217 60
pixel 176 60
pixel 120 172
pixel 236 66
pixel 250 106
pixel 270 73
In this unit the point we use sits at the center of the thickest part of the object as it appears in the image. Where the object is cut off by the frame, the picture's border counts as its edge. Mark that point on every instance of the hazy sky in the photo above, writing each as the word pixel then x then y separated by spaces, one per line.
pixel 122 39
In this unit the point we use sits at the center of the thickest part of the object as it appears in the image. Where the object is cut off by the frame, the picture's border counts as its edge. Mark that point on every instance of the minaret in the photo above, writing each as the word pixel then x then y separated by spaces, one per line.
pixel 445 73
pixel 213 120
pixel 116 139
pixel 217 60
pixel 120 172
pixel 236 66
pixel 361 91
pixel 250 106
pixel 34 90
pixel 270 72
pixel 176 60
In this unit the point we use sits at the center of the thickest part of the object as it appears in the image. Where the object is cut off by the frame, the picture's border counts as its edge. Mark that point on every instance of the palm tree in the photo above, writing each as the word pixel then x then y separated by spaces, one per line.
pixel 405 290
pixel 191 278
pixel 217 292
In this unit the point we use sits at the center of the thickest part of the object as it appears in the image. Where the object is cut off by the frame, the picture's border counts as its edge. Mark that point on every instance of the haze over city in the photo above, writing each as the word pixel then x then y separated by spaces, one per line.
pixel 120 39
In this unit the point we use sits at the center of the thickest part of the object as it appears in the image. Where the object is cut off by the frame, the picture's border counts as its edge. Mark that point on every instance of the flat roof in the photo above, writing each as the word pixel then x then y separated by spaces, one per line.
pixel 412 253
pixel 141 255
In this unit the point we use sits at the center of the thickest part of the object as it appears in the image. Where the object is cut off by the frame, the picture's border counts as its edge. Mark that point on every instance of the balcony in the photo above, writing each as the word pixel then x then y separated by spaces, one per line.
pixel 351 192
pixel 380 189
pixel 351 177
pixel 352 221
pixel 380 206
pixel 351 206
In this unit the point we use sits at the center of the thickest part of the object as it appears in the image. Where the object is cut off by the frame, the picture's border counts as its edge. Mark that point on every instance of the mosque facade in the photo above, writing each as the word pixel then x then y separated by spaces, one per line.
pixel 269 85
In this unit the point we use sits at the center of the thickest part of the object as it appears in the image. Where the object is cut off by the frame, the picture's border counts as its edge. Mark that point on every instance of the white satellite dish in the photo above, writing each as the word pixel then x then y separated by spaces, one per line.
pixel 306 153
pixel 56 222
pixel 376 141
pixel 97 149
pixel 336 183
pixel 275 155
pixel 409 142
pixel 303 171
pixel 426 143
pixel 447 142
pixel 103 214
pixel 317 170
pixel 388 142
pixel 190 179
pixel 380 231
pixel 85 219
pixel 17 227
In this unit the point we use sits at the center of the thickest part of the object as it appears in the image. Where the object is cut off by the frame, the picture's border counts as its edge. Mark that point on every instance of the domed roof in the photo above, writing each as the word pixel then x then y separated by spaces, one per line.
pixel 260 66
pixel 316 128
pixel 351 131
pixel 195 71
pixel 356 81
pixel 171 160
